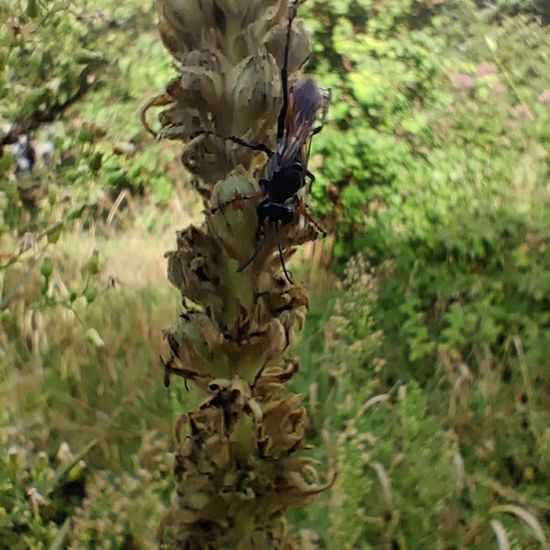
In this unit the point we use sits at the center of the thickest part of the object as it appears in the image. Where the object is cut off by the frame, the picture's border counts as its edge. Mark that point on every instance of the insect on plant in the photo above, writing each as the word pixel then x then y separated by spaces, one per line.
pixel 286 170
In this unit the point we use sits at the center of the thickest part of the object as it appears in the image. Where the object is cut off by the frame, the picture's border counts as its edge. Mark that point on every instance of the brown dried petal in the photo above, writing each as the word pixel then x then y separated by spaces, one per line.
pixel 196 268
pixel 196 342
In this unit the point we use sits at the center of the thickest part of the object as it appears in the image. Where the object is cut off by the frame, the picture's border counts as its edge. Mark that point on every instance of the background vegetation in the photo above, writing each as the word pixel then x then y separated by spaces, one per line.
pixel 425 358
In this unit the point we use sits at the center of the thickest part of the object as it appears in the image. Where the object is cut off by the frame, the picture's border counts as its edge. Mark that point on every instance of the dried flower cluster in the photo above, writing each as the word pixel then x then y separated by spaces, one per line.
pixel 237 467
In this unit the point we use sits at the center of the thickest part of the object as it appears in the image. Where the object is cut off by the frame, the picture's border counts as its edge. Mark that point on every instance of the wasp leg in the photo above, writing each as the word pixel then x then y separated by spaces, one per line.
pixel 235 199
pixel 317 129
pixel 311 177
pixel 259 247
pixel 239 141
pixel 302 209
pixel 281 257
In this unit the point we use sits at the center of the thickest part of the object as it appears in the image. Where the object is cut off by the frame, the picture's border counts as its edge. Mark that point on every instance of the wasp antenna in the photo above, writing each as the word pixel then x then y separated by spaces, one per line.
pixel 296 3
pixel 249 261
pixel 284 71
pixel 287 274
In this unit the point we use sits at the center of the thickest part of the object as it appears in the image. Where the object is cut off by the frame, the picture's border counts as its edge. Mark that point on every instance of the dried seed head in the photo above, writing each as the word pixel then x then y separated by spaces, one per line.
pixel 236 466
pixel 234 26
pixel 235 221
pixel 230 54
pixel 256 96
pixel 225 466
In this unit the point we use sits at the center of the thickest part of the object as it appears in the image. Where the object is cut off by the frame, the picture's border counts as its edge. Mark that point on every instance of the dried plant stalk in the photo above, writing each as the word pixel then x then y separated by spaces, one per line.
pixel 238 467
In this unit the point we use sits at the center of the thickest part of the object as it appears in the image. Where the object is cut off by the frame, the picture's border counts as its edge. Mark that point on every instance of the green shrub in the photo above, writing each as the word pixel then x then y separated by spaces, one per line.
pixel 435 169
pixel 416 121
pixel 49 504
pixel 425 461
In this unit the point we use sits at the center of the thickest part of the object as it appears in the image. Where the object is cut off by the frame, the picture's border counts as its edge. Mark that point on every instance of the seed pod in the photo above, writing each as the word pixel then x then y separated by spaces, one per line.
pixel 274 42
pixel 202 82
pixel 196 267
pixel 194 340
pixel 208 158
pixel 179 123
pixel 180 24
pixel 235 224
pixel 256 95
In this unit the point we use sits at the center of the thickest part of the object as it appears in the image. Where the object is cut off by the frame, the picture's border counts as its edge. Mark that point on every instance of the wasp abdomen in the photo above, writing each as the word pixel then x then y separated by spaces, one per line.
pixel 275 212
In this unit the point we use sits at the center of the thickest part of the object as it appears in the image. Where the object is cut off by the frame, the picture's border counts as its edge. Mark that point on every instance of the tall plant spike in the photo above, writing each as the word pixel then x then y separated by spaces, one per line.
pixel 238 466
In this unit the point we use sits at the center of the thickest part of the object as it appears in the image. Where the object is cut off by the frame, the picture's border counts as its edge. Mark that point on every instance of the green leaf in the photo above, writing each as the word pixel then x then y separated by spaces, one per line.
pixel 58 542
pixel 62 471
pixel 93 337
pixel 491 44
pixel 92 265
pixel 33 9
pixel 47 268
pixel 54 233
pixel 77 213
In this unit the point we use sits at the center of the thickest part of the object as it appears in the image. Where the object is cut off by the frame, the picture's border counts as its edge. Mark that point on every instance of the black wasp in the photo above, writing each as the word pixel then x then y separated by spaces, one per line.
pixel 286 170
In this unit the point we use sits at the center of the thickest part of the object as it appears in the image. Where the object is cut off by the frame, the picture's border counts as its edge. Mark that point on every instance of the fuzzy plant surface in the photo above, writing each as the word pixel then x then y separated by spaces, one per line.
pixel 238 465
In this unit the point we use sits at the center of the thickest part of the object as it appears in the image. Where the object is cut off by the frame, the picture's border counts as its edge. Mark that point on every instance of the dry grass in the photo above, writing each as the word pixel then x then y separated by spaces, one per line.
pixel 92 371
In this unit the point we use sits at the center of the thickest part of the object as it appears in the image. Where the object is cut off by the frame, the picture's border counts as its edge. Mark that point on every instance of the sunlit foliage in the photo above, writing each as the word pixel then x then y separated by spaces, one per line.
pixel 424 371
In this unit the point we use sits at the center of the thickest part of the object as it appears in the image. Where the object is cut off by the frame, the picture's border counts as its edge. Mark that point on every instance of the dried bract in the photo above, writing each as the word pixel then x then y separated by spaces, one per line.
pixel 237 465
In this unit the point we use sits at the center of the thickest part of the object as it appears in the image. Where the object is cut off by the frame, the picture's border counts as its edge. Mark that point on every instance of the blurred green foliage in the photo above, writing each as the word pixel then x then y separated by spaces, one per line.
pixel 65 504
pixel 78 351
pixel 436 171
pixel 421 104
pixel 79 97
pixel 70 77
pixel 71 376
pixel 424 372
pixel 423 461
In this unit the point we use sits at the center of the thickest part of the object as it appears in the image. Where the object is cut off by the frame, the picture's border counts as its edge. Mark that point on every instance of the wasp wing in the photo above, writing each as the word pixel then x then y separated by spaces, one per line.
pixel 304 154
pixel 305 100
